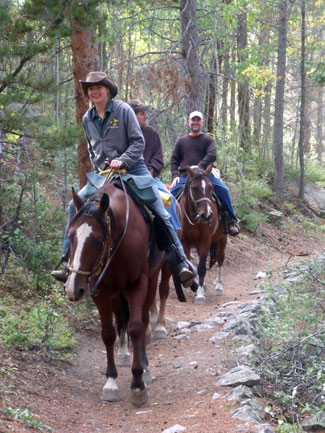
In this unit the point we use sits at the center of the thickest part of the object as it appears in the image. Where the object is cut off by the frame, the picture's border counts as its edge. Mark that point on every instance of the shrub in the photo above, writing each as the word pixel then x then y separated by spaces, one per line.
pixel 292 340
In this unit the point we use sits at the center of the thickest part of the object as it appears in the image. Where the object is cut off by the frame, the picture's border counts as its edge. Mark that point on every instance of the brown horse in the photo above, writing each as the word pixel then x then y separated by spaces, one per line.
pixel 202 226
pixel 109 250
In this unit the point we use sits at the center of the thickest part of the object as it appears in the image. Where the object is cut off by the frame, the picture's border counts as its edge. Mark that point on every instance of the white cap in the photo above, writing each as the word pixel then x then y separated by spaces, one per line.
pixel 196 114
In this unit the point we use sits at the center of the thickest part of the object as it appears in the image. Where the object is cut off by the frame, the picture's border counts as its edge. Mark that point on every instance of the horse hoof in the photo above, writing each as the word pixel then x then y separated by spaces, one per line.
pixel 160 334
pixel 219 289
pixel 110 391
pixel 147 378
pixel 123 361
pixel 139 397
pixel 200 300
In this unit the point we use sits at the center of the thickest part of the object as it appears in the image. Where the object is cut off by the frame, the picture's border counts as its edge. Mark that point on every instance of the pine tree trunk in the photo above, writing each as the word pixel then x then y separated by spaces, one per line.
pixel 190 54
pixel 302 106
pixel 243 89
pixel 278 183
pixel 85 58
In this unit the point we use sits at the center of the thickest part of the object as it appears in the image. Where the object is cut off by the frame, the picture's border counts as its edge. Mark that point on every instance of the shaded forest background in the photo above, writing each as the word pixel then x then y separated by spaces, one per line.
pixel 256 70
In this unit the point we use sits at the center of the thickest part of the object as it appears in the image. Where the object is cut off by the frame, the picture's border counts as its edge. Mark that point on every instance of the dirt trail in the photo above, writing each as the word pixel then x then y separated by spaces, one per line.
pixel 66 397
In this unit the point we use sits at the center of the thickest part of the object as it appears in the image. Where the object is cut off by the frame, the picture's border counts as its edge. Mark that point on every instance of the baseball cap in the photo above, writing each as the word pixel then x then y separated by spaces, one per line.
pixel 196 114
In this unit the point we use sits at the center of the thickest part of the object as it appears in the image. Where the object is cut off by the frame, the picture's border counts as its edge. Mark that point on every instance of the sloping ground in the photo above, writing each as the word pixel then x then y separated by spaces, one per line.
pixel 66 396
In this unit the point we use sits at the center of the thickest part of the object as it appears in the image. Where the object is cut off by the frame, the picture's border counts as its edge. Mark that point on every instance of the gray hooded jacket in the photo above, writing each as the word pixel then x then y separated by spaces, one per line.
pixel 122 138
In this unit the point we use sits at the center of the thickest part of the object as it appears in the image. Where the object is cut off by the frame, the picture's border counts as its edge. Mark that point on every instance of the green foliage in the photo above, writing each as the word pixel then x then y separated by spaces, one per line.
pixel 315 173
pixel 248 202
pixel 31 420
pixel 318 74
pixel 292 338
pixel 288 428
pixel 37 326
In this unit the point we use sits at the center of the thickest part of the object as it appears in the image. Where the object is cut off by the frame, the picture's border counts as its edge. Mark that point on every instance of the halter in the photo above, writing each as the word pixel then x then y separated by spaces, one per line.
pixel 195 202
pixel 100 262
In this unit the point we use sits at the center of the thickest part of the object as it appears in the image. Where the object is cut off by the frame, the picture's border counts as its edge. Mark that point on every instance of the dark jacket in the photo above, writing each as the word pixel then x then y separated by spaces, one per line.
pixel 153 154
pixel 201 151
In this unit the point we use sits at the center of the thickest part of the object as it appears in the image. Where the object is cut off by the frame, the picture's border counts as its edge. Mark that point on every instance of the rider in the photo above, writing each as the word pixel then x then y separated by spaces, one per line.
pixel 198 148
pixel 153 155
pixel 113 134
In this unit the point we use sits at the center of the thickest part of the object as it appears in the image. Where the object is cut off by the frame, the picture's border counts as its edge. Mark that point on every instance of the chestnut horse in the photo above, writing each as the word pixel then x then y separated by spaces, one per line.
pixel 110 255
pixel 202 227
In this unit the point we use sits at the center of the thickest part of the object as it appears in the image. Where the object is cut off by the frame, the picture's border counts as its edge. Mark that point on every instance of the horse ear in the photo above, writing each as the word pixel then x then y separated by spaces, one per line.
pixel 104 203
pixel 190 171
pixel 208 169
pixel 77 202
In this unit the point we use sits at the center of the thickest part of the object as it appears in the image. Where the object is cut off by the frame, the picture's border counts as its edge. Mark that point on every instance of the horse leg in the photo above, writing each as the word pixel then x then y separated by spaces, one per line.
pixel 160 330
pixel 222 243
pixel 110 391
pixel 219 287
pixel 200 297
pixel 123 358
pixel 139 320
pixel 154 314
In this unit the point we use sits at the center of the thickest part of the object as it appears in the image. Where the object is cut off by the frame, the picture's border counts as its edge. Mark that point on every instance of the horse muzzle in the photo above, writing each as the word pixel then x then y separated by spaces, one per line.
pixel 75 287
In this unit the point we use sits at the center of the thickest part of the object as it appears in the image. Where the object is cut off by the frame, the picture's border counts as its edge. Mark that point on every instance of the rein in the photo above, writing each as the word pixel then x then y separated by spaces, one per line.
pixel 110 258
pixel 99 269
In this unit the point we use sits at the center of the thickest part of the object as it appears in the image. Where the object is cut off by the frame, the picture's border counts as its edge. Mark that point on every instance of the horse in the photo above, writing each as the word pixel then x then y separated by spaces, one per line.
pixel 202 227
pixel 109 250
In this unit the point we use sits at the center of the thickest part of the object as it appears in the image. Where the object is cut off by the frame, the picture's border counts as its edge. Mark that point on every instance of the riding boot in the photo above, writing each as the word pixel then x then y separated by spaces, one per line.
pixel 233 228
pixel 61 274
pixel 180 266
pixel 182 269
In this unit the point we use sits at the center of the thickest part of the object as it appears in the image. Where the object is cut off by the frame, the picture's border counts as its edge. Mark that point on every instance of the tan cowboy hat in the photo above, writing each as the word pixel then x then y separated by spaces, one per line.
pixel 99 78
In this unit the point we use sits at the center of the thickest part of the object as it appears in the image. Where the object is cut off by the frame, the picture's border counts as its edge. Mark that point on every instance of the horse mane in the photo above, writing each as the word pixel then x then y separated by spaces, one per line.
pixel 199 173
pixel 90 208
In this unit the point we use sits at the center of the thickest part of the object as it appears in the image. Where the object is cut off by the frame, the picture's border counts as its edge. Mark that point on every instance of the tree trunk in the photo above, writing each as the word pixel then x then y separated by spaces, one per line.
pixel 211 97
pixel 243 89
pixel 320 120
pixel 190 54
pixel 85 58
pixel 301 144
pixel 278 183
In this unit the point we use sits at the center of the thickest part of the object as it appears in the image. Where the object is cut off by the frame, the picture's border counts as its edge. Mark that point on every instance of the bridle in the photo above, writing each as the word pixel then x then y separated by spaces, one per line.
pixel 195 203
pixel 99 267
pixel 105 250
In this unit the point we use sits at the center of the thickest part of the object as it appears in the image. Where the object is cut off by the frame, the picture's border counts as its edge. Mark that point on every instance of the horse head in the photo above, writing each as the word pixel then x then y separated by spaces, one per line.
pixel 199 191
pixel 88 236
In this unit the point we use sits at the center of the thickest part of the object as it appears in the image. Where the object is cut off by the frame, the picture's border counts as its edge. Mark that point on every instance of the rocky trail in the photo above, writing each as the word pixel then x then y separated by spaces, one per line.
pixel 186 366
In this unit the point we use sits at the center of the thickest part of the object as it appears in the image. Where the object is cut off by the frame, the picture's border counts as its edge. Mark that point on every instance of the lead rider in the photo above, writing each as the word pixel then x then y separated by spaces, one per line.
pixel 113 133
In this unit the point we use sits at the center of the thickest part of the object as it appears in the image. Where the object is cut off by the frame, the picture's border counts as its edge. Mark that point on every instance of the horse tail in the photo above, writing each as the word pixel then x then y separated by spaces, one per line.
pixel 213 253
pixel 125 313
pixel 122 313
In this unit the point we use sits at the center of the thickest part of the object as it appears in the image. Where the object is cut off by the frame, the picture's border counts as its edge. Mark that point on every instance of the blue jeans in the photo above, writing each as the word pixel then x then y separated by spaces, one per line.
pixel 138 169
pixel 220 189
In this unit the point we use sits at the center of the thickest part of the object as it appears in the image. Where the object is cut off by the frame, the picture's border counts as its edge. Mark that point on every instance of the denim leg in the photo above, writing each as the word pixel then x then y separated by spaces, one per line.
pixel 223 195
pixel 172 208
pixel 87 191
pixel 158 207
pixel 178 186
pixel 141 169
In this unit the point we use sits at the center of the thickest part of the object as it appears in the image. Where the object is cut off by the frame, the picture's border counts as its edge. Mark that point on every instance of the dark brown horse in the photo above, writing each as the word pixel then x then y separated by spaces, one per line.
pixel 202 226
pixel 109 250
